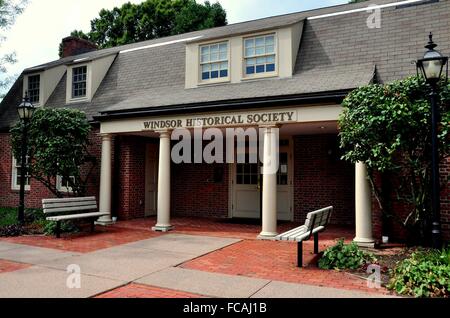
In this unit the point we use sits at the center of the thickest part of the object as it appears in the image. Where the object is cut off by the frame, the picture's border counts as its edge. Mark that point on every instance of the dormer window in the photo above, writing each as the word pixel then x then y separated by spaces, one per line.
pixel 259 55
pixel 34 85
pixel 79 82
pixel 214 62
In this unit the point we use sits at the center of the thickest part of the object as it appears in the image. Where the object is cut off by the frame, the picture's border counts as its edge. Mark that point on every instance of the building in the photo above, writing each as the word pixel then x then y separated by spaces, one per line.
pixel 300 64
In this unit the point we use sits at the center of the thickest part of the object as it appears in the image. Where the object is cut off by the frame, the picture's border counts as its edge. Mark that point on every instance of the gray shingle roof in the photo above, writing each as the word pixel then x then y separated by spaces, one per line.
pixel 337 53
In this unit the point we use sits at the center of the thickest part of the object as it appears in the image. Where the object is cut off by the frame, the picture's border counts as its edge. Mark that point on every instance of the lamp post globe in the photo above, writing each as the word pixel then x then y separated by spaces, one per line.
pixel 25 111
pixel 432 67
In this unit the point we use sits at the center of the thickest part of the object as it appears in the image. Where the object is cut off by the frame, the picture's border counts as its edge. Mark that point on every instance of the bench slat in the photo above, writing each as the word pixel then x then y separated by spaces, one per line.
pixel 76 216
pixel 68 204
pixel 71 209
pixel 44 201
pixel 320 218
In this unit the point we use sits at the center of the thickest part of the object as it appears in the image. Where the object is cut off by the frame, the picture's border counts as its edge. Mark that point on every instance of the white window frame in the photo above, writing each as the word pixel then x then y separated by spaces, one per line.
pixel 69 87
pixel 264 55
pixel 62 188
pixel 15 165
pixel 25 87
pixel 219 61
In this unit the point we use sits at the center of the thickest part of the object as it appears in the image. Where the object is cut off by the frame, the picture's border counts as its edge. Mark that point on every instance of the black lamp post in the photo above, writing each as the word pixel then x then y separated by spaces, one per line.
pixel 25 110
pixel 432 68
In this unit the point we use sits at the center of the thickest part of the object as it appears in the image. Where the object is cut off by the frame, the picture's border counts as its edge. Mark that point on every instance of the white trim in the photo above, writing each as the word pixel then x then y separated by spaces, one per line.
pixel 245 76
pixel 365 9
pixel 41 87
pixel 69 87
pixel 160 44
pixel 219 61
pixel 60 187
pixel 14 167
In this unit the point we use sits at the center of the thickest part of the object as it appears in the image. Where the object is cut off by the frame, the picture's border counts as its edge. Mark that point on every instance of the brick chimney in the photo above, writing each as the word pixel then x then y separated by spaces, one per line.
pixel 75 46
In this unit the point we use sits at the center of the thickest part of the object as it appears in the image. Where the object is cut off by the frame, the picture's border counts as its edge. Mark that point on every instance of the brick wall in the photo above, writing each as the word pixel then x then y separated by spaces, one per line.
pixel 321 179
pixel 33 198
pixel 194 192
pixel 129 180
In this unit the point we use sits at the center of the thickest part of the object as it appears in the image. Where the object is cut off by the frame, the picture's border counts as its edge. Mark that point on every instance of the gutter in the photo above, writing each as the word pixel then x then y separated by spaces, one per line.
pixel 288 100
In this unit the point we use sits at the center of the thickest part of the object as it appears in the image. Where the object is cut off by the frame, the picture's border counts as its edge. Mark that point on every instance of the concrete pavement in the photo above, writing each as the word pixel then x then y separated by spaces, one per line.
pixel 150 262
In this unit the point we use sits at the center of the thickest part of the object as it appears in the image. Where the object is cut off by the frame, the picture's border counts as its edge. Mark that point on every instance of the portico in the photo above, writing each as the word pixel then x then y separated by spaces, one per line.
pixel 249 191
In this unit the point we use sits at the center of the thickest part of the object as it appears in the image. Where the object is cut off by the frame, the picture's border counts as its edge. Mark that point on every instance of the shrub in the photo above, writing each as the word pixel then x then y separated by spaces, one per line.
pixel 424 274
pixel 11 230
pixel 345 256
pixel 66 227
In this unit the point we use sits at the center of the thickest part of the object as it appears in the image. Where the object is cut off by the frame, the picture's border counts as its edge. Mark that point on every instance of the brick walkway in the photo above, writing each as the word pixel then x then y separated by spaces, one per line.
pixel 103 237
pixel 142 291
pixel 277 261
pixel 8 266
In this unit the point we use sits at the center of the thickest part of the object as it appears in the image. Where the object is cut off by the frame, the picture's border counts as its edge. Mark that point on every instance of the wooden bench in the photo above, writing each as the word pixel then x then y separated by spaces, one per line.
pixel 315 223
pixel 69 209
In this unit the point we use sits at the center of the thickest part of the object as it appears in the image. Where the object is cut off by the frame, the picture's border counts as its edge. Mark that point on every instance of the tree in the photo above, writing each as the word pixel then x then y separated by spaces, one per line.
pixel 58 141
pixel 388 127
pixel 152 19
pixel 9 9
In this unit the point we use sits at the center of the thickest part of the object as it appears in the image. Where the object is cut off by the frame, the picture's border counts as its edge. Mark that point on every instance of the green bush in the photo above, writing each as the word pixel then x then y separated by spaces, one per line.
pixel 66 227
pixel 424 274
pixel 345 256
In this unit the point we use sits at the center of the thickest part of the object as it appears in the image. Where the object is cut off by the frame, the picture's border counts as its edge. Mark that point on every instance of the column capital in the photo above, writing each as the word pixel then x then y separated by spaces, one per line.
pixel 164 133
pixel 105 137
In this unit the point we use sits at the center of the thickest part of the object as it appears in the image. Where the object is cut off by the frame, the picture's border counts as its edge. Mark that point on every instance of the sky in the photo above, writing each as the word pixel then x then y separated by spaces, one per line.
pixel 37 32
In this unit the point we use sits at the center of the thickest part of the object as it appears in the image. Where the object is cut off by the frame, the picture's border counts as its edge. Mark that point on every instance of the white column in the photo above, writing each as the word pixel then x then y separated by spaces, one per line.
pixel 269 193
pixel 363 207
pixel 163 223
pixel 105 180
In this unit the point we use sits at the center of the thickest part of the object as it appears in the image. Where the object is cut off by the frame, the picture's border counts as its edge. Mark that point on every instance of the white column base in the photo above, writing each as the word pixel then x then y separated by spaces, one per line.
pixel 104 222
pixel 162 228
pixel 366 243
pixel 267 236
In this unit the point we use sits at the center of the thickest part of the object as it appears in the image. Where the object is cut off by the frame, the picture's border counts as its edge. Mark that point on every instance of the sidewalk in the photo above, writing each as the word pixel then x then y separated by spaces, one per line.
pixel 146 268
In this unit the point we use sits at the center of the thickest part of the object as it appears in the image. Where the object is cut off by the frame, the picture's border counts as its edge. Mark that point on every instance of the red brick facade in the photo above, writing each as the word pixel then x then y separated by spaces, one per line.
pixel 320 179
pixel 33 198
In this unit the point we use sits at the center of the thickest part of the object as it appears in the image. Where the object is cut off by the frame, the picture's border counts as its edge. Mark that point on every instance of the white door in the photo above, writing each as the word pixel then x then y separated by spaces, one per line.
pixel 151 179
pixel 246 187
pixel 246 194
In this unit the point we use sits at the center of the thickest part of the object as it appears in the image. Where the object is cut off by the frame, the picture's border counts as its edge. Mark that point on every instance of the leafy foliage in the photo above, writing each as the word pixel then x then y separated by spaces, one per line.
pixel 151 19
pixel 424 274
pixel 66 227
pixel 11 230
pixel 388 127
pixel 345 256
pixel 58 142
pixel 9 9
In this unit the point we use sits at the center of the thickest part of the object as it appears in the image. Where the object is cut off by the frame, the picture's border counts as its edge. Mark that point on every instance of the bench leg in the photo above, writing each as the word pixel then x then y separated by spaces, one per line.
pixel 93 226
pixel 58 229
pixel 316 243
pixel 300 254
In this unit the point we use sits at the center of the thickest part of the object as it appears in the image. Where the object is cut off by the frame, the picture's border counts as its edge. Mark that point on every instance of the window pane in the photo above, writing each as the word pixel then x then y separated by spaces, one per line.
pixel 206 68
pixel 214 74
pixel 270 59
pixel 270 40
pixel 224 66
pixel 260 69
pixel 205 75
pixel 224 73
pixel 205 58
pixel 251 62
pixel 249 52
pixel 214 48
pixel 223 55
pixel 33 88
pixel 259 42
pixel 260 50
pixel 214 57
pixel 260 60
pixel 270 49
pixel 205 50
pixel 250 70
pixel 249 43
pixel 215 67
pixel 270 68
pixel 223 47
